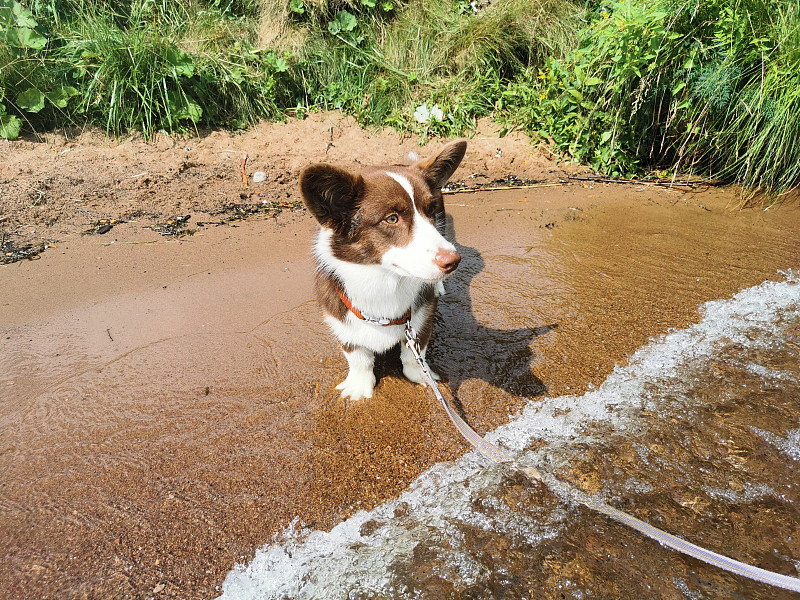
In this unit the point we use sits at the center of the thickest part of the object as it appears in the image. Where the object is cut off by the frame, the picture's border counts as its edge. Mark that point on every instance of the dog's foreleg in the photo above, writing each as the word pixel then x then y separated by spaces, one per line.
pixel 360 381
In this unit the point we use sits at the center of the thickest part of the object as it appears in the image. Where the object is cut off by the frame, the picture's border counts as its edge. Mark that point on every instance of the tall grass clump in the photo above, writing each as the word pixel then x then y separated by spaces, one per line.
pixel 431 66
pixel 141 75
pixel 703 86
pixel 754 137
pixel 427 66
pixel 142 65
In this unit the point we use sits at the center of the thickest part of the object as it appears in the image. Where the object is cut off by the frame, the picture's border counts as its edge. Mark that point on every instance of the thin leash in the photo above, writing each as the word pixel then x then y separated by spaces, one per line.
pixel 667 539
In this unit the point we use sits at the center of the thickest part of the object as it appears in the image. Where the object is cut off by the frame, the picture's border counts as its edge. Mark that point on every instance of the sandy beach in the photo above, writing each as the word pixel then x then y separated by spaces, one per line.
pixel 168 403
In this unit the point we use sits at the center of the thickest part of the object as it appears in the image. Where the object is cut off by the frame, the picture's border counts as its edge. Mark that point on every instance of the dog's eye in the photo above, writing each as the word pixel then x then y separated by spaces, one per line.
pixel 392 219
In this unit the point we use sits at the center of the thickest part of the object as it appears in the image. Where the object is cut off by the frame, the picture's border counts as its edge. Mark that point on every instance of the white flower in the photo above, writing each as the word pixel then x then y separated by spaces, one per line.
pixel 423 114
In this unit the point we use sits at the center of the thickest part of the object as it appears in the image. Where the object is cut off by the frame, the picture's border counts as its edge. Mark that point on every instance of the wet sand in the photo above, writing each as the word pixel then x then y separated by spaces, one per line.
pixel 168 405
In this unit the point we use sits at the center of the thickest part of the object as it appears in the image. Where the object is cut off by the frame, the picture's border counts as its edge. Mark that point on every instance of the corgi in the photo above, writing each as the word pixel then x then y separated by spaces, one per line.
pixel 381 257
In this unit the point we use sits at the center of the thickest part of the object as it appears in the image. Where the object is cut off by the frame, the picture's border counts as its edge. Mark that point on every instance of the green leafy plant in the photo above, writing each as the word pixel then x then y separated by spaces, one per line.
pixel 382 67
pixel 705 86
pixel 21 34
pixel 18 28
pixel 344 22
pixel 693 86
pixel 10 126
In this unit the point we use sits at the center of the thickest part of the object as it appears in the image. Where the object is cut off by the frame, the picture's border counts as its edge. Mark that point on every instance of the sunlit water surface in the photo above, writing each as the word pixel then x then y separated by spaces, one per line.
pixel 699 435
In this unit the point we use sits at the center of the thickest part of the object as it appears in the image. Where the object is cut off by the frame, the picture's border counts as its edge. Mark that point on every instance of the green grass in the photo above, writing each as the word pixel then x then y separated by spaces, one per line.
pixel 746 120
pixel 143 66
pixel 701 86
pixel 432 53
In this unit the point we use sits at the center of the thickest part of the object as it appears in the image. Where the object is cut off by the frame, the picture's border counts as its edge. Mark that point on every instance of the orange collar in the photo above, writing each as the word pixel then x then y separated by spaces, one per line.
pixel 381 321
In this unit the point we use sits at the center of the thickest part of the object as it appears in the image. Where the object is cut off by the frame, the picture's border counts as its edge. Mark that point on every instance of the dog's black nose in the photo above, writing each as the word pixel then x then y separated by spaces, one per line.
pixel 447 260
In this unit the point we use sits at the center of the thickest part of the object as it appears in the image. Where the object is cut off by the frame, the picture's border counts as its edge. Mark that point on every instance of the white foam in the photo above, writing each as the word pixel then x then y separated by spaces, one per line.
pixel 775 375
pixel 790 445
pixel 750 493
pixel 358 554
pixel 363 554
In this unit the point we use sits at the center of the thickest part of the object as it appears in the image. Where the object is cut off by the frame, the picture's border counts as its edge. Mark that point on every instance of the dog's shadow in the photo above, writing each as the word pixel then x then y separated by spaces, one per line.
pixel 462 348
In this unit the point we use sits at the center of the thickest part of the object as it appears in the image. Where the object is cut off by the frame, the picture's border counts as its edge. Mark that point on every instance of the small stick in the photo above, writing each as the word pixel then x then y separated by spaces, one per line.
pixel 244 173
pixel 497 188
pixel 117 243
pixel 690 184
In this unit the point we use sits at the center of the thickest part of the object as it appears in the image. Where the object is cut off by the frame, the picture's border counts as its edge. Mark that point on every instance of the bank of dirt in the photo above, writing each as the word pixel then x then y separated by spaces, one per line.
pixel 79 181
pixel 168 403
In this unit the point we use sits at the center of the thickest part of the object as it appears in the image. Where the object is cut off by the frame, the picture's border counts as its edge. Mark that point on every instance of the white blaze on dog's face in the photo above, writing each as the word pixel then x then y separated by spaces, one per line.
pixel 392 217
pixel 416 249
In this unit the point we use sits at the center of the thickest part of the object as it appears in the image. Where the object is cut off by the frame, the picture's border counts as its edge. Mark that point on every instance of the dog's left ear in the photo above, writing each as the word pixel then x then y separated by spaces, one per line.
pixel 440 168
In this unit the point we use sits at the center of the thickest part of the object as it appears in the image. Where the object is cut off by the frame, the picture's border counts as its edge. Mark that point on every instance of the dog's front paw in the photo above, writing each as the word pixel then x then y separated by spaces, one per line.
pixel 413 372
pixel 357 385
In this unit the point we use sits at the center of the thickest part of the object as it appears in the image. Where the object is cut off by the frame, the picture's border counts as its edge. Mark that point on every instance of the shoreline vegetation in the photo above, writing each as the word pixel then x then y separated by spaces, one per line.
pixel 703 87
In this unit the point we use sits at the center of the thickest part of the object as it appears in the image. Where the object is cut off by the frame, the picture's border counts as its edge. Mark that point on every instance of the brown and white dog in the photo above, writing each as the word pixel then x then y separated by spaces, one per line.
pixel 381 257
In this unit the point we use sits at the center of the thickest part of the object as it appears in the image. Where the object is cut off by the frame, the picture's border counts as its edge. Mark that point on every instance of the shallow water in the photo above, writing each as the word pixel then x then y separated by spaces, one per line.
pixel 167 407
pixel 699 435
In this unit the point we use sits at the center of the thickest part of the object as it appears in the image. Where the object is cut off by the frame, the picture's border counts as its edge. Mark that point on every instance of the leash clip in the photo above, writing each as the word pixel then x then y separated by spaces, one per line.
pixel 412 341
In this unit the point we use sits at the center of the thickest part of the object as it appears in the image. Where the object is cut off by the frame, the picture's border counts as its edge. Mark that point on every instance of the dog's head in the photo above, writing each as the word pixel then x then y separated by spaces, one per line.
pixel 389 216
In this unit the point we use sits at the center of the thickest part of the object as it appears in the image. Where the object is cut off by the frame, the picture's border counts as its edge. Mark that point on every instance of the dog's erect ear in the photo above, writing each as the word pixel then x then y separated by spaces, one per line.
pixel 332 195
pixel 440 168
